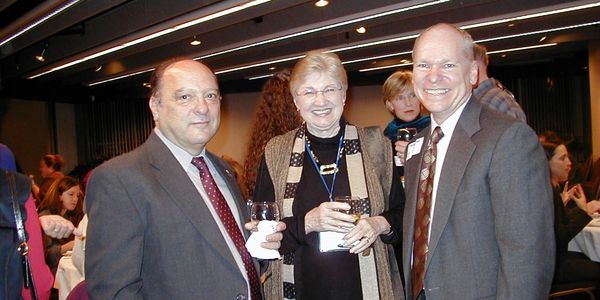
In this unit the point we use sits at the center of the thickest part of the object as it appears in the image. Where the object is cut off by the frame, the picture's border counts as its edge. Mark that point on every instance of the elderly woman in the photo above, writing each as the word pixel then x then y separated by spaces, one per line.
pixel 569 218
pixel 305 169
pixel 400 100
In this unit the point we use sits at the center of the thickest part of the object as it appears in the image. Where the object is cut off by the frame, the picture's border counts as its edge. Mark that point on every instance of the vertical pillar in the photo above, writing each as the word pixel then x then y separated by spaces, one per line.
pixel 594 71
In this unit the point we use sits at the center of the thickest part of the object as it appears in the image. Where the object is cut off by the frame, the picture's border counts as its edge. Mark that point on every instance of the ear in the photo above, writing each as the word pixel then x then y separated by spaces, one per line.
pixel 296 104
pixel 389 106
pixel 473 73
pixel 154 104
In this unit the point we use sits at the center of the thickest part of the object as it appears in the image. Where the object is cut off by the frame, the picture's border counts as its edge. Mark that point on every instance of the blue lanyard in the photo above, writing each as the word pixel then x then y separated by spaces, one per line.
pixel 337 160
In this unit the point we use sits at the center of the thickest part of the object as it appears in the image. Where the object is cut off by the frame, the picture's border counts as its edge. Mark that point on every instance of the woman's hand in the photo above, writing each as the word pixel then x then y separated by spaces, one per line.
pixel 327 217
pixel 565 197
pixel 400 147
pixel 576 194
pixel 366 232
pixel 593 207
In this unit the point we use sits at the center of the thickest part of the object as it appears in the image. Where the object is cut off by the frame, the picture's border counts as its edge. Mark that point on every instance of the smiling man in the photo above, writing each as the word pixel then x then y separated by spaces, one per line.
pixel 478 197
pixel 165 219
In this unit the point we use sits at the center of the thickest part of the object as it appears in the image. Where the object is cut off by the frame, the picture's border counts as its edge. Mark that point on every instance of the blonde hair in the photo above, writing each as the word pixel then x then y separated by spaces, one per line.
pixel 398 83
pixel 318 61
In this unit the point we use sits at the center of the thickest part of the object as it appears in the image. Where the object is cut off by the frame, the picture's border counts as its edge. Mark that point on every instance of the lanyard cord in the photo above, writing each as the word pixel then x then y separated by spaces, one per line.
pixel 337 160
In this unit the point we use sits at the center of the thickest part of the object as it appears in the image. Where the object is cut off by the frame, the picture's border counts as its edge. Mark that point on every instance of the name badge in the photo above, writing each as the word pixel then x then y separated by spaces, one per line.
pixel 414 148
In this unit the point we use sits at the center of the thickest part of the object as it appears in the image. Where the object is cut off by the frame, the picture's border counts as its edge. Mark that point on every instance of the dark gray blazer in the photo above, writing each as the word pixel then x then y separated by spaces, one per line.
pixel 151 236
pixel 492 231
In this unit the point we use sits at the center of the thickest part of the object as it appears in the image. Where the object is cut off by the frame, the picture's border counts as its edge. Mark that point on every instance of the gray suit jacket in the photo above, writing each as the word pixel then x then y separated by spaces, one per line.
pixel 492 229
pixel 151 236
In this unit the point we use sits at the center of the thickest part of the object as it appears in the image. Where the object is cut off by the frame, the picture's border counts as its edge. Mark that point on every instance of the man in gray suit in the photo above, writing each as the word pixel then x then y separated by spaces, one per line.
pixel 489 231
pixel 164 219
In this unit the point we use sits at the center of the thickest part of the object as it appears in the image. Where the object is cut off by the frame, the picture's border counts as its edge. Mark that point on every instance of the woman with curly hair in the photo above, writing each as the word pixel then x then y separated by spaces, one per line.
pixel 276 114
pixel 64 198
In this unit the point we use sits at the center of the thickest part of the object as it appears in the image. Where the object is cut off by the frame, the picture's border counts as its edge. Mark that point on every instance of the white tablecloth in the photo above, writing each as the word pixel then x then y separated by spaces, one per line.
pixel 67 277
pixel 588 241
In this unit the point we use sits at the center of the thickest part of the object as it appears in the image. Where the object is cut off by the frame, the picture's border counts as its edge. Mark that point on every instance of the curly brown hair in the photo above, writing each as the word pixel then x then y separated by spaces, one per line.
pixel 276 114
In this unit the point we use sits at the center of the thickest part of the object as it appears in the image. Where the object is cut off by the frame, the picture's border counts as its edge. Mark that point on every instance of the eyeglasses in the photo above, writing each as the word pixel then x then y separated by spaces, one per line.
pixel 187 98
pixel 328 92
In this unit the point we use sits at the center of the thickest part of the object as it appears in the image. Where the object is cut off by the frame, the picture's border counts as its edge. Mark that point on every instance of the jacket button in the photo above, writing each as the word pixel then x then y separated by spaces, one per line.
pixel 240 297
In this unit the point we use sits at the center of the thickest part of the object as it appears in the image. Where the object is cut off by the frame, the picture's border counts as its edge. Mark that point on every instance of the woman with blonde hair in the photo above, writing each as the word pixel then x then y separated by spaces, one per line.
pixel 327 253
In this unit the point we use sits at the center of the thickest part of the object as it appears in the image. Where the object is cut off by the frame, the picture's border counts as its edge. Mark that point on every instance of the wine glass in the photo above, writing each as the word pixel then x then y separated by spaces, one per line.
pixel 264 211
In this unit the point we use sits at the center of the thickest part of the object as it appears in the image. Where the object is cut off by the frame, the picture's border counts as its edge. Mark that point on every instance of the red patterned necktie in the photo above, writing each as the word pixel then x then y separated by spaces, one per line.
pixel 423 211
pixel 233 230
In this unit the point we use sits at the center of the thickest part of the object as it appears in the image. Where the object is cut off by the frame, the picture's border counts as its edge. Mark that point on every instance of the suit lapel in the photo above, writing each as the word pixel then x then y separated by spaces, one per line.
pixel 176 183
pixel 457 158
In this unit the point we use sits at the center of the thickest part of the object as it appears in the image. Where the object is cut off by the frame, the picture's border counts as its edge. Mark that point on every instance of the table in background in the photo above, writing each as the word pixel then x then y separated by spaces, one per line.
pixel 67 277
pixel 588 241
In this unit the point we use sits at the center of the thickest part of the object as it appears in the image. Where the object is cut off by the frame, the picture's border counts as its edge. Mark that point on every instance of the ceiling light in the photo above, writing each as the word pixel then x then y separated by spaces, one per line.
pixel 98 68
pixel 542 39
pixel 521 48
pixel 260 76
pixel 271 68
pixel 157 34
pixel 326 27
pixel 385 67
pixel 195 42
pixel 53 13
pixel 511 25
pixel 374 43
pixel 40 57
pixel 361 29
pixel 146 84
pixel 321 3
pixel 489 52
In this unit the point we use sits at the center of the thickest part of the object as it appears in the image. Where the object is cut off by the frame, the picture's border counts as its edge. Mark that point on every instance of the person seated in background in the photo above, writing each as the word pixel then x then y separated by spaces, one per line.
pixel 63 198
pixel 50 166
pixel 569 221
pixel 400 99
pixel 275 115
pixel 491 92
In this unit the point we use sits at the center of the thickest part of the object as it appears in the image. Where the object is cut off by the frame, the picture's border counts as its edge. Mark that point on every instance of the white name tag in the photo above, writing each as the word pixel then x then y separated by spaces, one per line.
pixel 414 148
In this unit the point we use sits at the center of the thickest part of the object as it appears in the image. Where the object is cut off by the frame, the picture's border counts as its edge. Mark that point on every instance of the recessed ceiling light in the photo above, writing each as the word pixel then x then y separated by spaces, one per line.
pixel 272 68
pixel 146 84
pixel 98 68
pixel 361 29
pixel 195 42
pixel 542 39
pixel 511 25
pixel 503 55
pixel 40 57
pixel 321 3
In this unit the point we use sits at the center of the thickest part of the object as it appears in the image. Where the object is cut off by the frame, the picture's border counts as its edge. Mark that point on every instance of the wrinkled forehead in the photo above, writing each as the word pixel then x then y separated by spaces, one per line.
pixel 188 73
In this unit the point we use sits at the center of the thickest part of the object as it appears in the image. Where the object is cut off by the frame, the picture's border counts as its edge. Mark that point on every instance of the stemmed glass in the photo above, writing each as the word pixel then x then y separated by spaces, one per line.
pixel 267 215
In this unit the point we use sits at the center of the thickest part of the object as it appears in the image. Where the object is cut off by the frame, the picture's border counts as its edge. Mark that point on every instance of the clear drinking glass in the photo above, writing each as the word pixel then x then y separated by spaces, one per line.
pixel 264 211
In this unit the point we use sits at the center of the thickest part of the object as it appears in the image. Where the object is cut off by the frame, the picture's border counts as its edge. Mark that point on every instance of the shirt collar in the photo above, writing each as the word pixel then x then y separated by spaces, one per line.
pixel 182 156
pixel 450 123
